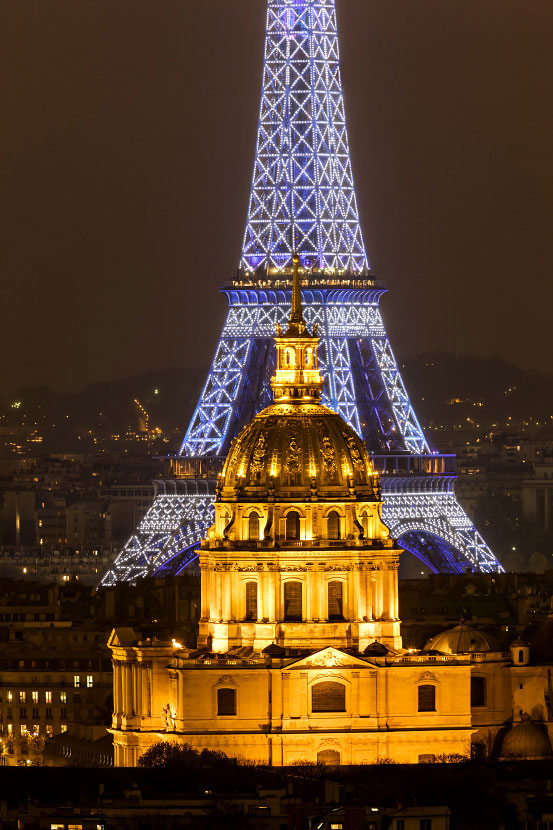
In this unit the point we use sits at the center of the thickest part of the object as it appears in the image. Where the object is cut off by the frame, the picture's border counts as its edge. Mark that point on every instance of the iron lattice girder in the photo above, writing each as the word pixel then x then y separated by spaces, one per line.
pixel 302 176
pixel 177 522
pixel 349 322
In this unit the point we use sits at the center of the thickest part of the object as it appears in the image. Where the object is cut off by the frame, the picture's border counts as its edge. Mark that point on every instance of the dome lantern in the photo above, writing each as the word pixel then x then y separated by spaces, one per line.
pixel 297 378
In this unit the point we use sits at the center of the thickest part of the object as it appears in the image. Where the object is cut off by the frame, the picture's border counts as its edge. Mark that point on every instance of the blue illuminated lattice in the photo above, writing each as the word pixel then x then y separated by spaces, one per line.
pixel 302 179
pixel 302 182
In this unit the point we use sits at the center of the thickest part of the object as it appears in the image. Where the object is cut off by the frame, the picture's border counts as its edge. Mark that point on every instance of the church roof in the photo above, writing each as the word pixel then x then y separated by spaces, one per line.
pixel 462 639
pixel 526 740
pixel 291 450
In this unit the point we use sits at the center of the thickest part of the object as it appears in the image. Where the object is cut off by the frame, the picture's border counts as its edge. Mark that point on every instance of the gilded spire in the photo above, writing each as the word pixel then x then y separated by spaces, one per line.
pixel 296 325
pixel 296 315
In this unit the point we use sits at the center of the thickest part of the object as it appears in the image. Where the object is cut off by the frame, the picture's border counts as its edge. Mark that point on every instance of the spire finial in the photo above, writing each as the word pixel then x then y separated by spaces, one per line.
pixel 296 315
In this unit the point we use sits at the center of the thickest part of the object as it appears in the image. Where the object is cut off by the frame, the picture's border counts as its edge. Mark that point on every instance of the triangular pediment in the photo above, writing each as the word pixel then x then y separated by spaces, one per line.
pixel 122 638
pixel 328 658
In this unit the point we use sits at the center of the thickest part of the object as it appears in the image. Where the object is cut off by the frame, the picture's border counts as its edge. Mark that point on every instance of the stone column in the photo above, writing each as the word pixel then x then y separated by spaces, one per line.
pixel 309 592
pixel 271 593
pixel 145 694
pixel 218 615
pixel 137 689
pixel 367 583
pixel 359 598
pixel 286 695
pixel 318 592
pixel 394 593
pixel 355 694
pixel 227 594
pixel 205 583
pixel 277 594
pixel 304 692
pixel 235 608
pixel 376 594
pixel 351 603
pixel 127 689
pixel 261 594
pixel 117 690
pixel 180 695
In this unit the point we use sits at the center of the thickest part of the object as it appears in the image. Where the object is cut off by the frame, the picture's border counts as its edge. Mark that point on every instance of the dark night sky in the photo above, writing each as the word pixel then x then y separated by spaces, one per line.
pixel 126 151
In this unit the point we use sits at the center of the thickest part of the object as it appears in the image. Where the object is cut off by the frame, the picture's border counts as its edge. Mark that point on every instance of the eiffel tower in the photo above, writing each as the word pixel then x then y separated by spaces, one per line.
pixel 303 189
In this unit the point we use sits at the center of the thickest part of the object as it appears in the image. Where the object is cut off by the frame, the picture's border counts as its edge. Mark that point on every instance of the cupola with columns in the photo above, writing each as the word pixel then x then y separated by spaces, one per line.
pixel 298 555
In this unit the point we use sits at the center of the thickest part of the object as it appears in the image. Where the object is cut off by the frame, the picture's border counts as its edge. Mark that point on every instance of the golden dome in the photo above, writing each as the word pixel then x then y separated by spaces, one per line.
pixel 296 452
pixel 297 448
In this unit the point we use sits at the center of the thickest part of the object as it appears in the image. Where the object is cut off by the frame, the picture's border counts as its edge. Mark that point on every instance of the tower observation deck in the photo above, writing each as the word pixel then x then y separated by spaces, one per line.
pixel 302 190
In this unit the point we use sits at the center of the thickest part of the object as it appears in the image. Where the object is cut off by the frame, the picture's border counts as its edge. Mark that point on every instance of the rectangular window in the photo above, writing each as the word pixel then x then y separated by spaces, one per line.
pixel 89 681
pixel 22 713
pixel 478 691
pixel 10 697
pixel 10 728
pixel 48 697
pixel 251 600
pixel 23 729
pixel 34 696
pixel 35 712
pixel 23 697
pixel 293 600
pixel 76 681
pixel 328 697
pixel 425 824
pixel 427 698
pixel 63 697
pixel 57 827
pixel 335 600
pixel 36 729
pixel 63 712
pixel 49 714
pixel 400 824
pixel 63 727
pixel 226 701
pixel 49 730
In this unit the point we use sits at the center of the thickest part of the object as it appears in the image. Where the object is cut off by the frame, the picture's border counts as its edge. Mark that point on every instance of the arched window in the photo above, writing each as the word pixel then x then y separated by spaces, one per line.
pixel 328 697
pixel 427 698
pixel 253 526
pixel 226 701
pixel 293 525
pixel 333 525
pixel 521 656
pixel 289 358
pixel 309 358
pixel 329 757
pixel 251 600
pixel 335 600
pixel 292 600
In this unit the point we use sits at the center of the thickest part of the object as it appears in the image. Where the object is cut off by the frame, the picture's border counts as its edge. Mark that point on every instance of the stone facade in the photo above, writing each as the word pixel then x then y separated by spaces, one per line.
pixel 299 652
